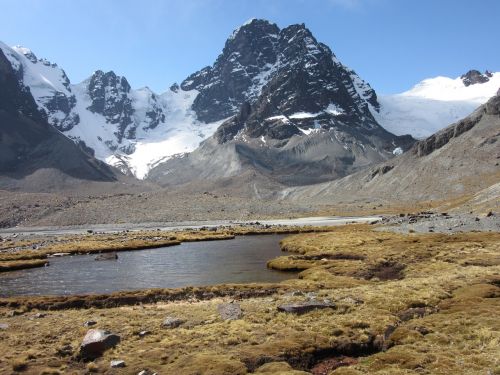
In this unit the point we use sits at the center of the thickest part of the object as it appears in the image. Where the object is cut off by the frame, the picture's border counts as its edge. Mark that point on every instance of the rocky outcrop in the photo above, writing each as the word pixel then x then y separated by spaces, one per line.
pixel 109 97
pixel 473 77
pixel 443 137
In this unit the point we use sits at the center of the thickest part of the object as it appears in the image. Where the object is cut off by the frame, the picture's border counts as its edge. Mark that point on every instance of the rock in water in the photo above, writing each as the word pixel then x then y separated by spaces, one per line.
pixel 302 308
pixel 96 341
pixel 230 311
pixel 107 256
pixel 171 322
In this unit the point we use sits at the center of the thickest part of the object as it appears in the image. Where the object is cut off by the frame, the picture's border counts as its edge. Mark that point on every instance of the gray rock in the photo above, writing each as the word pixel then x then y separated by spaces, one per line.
pixel 230 311
pixel 172 322
pixel 117 363
pixel 89 323
pixel 305 307
pixel 96 342
pixel 4 326
pixel 39 315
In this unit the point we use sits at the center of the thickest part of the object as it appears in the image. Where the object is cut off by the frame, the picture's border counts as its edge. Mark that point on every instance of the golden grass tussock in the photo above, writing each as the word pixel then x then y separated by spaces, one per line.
pixel 403 304
pixel 21 265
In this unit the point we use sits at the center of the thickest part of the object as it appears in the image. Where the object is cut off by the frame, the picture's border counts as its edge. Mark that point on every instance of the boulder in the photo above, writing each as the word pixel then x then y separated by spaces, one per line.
pixel 230 311
pixel 305 307
pixel 96 342
pixel 172 322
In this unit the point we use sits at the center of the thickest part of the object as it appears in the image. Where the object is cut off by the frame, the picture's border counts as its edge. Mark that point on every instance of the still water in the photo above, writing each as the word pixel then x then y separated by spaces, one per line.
pixel 242 260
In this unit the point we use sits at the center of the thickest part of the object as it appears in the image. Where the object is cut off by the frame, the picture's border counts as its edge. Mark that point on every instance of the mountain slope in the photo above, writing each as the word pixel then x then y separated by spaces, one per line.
pixel 33 154
pixel 434 103
pixel 461 159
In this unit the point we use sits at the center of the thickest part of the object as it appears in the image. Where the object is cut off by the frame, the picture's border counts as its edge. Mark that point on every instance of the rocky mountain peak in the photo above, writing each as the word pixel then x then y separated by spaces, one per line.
pixel 473 77
pixel 109 97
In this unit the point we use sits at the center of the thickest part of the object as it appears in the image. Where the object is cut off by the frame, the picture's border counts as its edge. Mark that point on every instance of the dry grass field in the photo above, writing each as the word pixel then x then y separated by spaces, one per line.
pixel 399 304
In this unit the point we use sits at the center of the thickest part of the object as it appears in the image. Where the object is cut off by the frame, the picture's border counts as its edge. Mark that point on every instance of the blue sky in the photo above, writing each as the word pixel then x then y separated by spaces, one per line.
pixel 392 44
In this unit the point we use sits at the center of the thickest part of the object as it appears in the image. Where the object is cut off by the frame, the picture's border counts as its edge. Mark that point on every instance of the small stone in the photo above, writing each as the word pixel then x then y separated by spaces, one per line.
pixel 117 363
pixel 230 311
pixel 96 341
pixel 89 323
pixel 147 372
pixel 39 315
pixel 4 326
pixel 171 322
pixel 144 333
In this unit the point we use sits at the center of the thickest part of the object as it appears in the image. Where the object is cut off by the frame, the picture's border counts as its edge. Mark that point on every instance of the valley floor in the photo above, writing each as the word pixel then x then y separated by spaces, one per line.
pixel 365 302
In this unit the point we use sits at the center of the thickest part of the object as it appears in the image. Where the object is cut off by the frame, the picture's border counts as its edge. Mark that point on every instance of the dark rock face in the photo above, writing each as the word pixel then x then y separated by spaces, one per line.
pixel 278 72
pixel 96 342
pixel 473 77
pixel 235 76
pixel 29 143
pixel 65 104
pixel 109 95
pixel 14 97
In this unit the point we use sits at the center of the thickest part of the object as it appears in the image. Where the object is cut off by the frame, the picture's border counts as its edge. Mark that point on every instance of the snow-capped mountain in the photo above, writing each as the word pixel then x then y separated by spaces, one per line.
pixel 435 103
pixel 298 114
pixel 127 128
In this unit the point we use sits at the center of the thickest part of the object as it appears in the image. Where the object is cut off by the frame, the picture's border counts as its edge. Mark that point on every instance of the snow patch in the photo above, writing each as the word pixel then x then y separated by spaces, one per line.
pixel 397 151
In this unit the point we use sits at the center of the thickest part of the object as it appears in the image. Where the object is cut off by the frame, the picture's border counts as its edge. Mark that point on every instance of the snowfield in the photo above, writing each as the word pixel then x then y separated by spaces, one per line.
pixel 432 105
